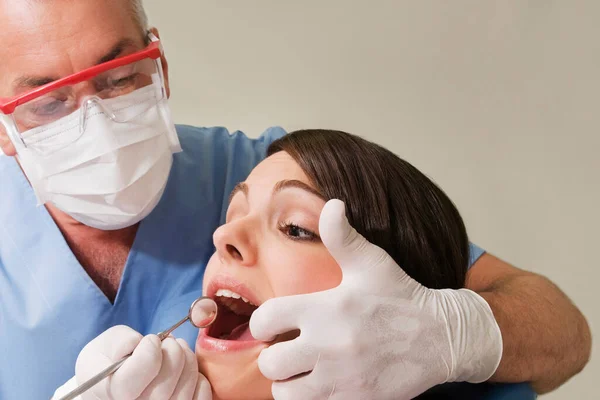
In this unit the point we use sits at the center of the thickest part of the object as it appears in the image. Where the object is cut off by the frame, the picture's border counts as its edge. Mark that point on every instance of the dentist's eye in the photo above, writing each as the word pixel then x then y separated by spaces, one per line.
pixel 296 232
pixel 123 82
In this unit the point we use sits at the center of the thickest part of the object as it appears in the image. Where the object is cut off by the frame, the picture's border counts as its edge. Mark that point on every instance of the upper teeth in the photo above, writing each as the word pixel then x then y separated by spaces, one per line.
pixel 229 293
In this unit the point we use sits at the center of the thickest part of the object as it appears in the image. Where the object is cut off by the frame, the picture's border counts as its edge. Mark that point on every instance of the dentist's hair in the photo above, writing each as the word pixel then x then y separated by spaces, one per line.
pixel 388 201
pixel 139 14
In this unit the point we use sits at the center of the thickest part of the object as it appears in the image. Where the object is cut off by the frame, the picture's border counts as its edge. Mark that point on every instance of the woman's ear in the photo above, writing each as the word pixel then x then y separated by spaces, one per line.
pixel 164 63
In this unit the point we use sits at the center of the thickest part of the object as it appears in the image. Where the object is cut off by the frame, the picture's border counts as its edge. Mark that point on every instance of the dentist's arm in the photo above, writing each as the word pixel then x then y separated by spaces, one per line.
pixel 546 339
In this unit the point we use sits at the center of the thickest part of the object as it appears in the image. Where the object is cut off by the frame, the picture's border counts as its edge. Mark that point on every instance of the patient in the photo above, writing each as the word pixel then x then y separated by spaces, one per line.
pixel 270 245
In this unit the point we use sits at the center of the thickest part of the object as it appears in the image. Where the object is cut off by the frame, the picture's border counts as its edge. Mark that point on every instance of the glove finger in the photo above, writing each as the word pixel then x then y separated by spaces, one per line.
pixel 187 382
pixel 294 389
pixel 307 387
pixel 287 359
pixel 277 316
pixel 203 389
pixel 138 371
pixel 173 361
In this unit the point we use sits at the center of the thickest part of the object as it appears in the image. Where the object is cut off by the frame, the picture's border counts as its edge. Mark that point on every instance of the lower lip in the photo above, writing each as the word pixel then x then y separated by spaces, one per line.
pixel 208 343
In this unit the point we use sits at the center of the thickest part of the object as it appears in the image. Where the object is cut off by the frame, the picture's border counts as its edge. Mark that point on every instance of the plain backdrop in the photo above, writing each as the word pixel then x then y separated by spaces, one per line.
pixel 497 101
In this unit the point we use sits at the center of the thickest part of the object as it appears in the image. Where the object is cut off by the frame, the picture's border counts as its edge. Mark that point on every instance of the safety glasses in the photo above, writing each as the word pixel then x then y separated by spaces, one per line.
pixel 95 86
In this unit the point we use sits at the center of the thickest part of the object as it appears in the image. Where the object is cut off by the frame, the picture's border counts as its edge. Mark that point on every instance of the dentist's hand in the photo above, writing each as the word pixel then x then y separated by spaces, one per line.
pixel 379 334
pixel 155 370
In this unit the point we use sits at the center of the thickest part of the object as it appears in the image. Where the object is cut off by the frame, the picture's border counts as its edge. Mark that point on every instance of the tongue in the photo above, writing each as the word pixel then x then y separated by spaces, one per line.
pixel 241 333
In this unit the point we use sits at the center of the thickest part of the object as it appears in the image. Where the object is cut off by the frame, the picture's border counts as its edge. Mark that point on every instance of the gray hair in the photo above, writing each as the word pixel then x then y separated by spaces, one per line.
pixel 139 14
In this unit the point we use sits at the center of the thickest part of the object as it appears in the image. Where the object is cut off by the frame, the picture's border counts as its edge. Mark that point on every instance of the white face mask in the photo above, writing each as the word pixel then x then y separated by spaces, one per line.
pixel 113 175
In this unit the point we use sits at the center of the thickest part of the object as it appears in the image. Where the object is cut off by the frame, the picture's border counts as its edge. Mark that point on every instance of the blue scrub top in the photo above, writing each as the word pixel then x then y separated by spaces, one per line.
pixel 50 308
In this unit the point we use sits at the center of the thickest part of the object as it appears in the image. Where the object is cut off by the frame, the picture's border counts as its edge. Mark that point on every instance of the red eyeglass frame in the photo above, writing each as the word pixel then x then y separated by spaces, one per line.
pixel 8 105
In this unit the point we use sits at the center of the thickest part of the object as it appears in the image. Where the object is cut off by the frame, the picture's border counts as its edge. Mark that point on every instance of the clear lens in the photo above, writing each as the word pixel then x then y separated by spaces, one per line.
pixel 109 86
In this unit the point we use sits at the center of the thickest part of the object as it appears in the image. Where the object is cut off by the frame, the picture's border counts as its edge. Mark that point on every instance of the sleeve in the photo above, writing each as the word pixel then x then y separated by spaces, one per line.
pixel 475 252
pixel 66 389
pixel 220 159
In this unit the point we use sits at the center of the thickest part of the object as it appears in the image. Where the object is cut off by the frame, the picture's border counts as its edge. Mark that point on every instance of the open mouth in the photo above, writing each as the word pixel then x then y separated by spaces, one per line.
pixel 233 318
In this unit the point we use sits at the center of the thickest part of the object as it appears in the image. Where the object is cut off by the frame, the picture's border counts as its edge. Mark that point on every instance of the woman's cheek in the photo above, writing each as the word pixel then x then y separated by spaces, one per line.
pixel 304 271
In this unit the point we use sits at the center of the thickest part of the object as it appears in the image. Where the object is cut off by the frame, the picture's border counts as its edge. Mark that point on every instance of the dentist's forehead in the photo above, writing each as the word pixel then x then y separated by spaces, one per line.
pixel 58 37
pixel 56 19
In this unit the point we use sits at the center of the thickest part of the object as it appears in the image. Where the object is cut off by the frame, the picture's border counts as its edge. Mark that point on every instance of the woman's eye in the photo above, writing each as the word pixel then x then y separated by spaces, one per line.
pixel 296 232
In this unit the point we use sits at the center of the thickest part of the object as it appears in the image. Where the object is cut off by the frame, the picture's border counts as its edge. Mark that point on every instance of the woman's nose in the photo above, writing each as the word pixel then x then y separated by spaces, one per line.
pixel 235 244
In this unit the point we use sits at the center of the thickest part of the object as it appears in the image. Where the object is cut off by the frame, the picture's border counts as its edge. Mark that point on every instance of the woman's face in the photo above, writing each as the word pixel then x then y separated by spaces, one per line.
pixel 269 247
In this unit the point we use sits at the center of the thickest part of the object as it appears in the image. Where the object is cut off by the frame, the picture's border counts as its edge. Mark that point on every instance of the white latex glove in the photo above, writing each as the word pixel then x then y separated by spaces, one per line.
pixel 379 334
pixel 155 370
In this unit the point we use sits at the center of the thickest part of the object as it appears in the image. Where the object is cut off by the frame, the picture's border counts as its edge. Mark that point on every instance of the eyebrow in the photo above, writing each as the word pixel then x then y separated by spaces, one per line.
pixel 32 82
pixel 117 50
pixel 285 184
pixel 281 185
pixel 240 187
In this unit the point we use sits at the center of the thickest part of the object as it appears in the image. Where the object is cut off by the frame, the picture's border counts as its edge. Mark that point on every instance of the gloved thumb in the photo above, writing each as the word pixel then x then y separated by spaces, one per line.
pixel 356 256
pixel 111 345
pixel 349 248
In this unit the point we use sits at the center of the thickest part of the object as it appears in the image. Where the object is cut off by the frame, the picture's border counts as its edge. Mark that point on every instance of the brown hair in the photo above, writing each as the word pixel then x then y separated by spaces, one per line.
pixel 388 201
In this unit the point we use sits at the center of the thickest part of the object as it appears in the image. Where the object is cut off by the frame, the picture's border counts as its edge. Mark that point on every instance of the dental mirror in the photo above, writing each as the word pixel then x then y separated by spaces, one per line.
pixel 202 314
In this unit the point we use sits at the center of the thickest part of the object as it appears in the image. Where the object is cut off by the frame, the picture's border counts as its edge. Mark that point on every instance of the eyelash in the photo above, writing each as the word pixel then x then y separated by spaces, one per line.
pixel 284 227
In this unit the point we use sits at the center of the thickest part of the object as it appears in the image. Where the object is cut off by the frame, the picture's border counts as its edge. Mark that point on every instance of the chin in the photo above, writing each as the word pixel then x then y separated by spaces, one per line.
pixel 234 376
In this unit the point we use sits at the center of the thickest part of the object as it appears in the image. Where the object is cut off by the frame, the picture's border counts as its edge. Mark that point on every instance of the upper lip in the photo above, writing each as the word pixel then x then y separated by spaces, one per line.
pixel 230 283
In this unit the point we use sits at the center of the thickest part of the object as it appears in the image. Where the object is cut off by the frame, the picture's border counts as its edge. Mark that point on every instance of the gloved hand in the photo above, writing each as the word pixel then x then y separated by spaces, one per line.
pixel 155 371
pixel 379 334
